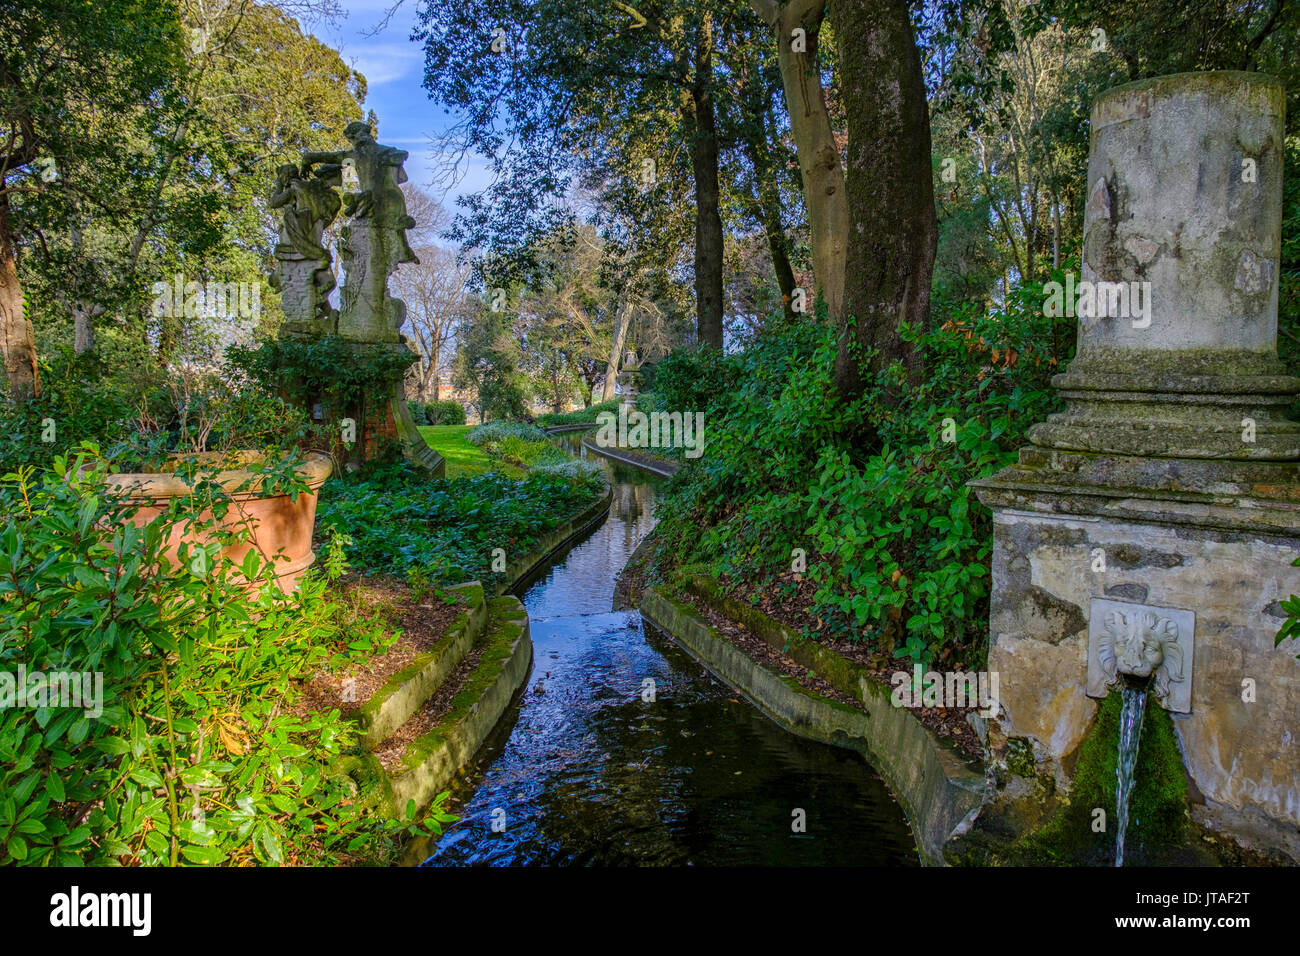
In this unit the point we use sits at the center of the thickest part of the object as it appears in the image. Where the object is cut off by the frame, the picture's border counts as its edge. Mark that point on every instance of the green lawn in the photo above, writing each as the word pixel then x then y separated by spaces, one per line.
pixel 462 457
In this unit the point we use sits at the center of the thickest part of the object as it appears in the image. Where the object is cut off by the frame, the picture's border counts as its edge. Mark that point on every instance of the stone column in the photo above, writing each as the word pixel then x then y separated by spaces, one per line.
pixel 1168 491
pixel 1184 215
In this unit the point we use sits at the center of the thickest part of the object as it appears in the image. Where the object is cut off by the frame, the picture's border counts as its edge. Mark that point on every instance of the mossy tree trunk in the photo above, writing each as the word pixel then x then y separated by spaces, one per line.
pixel 16 335
pixel 818 152
pixel 892 232
pixel 708 217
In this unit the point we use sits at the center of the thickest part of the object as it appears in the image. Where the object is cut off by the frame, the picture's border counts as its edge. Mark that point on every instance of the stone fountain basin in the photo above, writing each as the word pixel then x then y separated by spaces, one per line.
pixel 276 525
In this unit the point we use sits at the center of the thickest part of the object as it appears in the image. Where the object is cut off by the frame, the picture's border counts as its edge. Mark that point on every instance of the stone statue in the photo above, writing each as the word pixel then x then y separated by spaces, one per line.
pixel 372 245
pixel 312 205
pixel 303 273
pixel 374 240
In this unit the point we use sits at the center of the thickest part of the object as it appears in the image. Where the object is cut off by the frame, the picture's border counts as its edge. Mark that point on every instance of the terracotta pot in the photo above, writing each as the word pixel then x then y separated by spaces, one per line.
pixel 281 527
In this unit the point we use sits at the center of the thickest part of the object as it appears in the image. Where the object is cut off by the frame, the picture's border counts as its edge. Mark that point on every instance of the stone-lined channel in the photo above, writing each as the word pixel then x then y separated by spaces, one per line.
pixel 583 770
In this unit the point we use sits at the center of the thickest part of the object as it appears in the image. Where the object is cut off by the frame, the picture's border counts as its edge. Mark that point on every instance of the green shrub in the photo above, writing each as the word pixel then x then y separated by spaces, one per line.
pixel 581 416
pixel 198 755
pixel 576 469
pixel 896 545
pixel 398 520
pixel 446 412
pixel 495 431
pixel 79 403
pixel 419 412
pixel 527 453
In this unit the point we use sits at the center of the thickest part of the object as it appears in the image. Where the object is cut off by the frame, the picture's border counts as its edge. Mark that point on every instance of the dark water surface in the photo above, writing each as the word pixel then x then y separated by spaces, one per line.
pixel 583 769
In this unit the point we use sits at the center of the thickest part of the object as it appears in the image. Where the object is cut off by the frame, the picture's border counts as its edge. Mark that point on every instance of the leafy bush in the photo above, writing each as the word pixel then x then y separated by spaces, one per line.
pixel 581 416
pixel 897 548
pixel 500 429
pixel 576 469
pixel 527 453
pixel 198 755
pixel 194 412
pixel 419 413
pixel 329 368
pixel 78 404
pixel 446 412
pixel 516 442
pixel 398 520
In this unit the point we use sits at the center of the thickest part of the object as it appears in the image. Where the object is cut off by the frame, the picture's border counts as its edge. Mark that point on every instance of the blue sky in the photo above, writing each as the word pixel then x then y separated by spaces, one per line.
pixel 393 66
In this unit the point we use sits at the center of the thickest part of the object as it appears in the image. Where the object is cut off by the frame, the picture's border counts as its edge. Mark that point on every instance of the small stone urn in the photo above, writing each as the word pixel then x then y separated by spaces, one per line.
pixel 629 378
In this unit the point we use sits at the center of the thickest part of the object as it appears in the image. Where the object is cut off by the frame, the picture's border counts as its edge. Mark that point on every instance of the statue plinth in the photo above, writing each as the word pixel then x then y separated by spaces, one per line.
pixel 303 297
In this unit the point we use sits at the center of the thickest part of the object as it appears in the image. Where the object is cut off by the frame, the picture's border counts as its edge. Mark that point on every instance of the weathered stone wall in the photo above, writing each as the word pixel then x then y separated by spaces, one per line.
pixel 1242 755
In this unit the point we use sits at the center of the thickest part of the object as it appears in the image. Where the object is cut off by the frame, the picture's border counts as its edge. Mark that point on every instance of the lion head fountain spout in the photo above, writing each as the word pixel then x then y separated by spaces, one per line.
pixel 1143 646
pixel 1139 644
pixel 1142 651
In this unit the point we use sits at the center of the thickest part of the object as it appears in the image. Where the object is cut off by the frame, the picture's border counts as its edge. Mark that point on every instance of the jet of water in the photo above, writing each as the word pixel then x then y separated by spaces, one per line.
pixel 1130 733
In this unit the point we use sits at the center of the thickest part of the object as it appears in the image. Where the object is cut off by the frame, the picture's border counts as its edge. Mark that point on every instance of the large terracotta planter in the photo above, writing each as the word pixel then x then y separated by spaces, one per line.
pixel 281 527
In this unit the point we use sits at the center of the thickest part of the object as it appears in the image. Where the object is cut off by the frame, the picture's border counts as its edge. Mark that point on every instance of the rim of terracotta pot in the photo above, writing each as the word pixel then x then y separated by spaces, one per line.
pixel 315 468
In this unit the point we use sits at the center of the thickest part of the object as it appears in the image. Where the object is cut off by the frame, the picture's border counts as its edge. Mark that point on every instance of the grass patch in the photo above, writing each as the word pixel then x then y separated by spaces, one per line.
pixel 462 457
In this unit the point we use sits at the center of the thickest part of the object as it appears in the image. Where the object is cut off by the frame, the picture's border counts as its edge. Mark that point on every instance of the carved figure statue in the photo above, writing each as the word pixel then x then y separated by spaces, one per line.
pixel 312 204
pixel 374 239
pixel 303 273
pixel 380 172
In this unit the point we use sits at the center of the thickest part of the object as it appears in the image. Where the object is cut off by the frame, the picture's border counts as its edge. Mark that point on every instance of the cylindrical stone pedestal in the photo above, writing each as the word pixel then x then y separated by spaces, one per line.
pixel 1181 253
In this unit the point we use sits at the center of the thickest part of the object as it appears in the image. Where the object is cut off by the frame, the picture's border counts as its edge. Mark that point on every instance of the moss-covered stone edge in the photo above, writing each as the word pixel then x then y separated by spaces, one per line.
pixel 472 595
pixel 845 675
pixel 934 805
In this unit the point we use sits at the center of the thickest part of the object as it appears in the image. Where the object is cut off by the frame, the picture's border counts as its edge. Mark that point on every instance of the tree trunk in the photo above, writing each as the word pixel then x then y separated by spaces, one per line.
pixel 435 354
pixel 708 218
pixel 819 155
pixel 622 320
pixel 890 191
pixel 767 209
pixel 83 329
pixel 781 265
pixel 17 339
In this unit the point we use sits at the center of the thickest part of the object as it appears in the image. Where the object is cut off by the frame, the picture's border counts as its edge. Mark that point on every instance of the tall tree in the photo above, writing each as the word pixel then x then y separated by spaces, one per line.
pixel 181 184
pixel 437 302
pixel 578 85
pixel 702 132
pixel 892 232
pixel 66 69
pixel 796 25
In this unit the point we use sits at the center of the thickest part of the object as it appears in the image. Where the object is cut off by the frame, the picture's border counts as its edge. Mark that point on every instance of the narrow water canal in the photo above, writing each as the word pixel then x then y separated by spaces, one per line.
pixel 582 770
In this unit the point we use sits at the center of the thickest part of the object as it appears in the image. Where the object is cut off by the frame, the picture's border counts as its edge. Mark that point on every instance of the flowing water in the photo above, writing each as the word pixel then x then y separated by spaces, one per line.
pixel 1130 734
pixel 586 768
